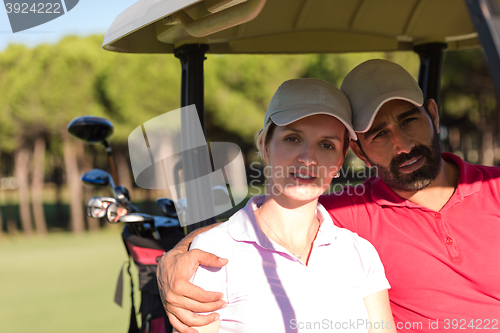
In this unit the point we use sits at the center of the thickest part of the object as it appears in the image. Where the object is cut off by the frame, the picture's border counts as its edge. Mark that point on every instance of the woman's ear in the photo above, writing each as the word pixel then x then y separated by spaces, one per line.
pixel 359 152
pixel 266 155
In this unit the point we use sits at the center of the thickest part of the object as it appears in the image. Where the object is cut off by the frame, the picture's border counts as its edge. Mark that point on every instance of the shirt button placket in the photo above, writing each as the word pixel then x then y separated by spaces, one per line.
pixel 453 250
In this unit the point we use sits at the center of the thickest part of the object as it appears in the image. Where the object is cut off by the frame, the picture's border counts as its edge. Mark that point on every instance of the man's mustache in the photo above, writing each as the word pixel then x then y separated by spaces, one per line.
pixel 417 151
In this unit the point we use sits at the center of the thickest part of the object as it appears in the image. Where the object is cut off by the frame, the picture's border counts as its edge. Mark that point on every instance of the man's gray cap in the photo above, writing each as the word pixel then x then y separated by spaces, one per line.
pixel 373 83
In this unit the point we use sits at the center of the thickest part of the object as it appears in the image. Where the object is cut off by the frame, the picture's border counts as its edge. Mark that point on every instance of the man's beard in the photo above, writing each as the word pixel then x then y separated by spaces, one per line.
pixel 418 179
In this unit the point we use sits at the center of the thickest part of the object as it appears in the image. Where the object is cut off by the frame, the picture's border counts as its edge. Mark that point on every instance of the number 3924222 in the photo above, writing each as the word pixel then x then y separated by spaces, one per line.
pixel 35 8
pixel 479 324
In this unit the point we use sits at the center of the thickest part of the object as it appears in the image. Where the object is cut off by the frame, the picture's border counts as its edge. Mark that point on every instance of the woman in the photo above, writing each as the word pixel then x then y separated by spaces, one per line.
pixel 290 269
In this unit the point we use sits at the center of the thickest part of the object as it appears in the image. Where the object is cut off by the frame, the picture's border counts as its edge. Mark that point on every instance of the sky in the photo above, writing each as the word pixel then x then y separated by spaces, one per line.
pixel 86 18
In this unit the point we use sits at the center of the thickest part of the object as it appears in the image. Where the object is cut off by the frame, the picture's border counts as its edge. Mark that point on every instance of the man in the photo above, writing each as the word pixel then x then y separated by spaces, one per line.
pixel 434 219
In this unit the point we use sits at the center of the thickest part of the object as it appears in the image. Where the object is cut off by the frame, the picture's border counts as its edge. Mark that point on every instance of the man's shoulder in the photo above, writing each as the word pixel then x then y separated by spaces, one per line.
pixel 348 195
pixel 488 171
pixel 474 172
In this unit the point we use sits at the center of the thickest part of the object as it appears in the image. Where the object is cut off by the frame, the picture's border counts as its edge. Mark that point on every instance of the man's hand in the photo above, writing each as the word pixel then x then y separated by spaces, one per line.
pixel 179 296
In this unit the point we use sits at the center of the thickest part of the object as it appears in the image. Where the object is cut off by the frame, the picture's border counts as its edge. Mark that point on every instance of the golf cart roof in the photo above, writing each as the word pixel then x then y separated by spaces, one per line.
pixel 290 26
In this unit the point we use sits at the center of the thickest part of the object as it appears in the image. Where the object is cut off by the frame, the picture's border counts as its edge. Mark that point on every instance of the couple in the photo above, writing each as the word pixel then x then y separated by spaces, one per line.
pixel 433 219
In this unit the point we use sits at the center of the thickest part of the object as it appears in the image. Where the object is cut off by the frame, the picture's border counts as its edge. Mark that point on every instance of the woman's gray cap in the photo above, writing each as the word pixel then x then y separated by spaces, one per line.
pixel 299 98
pixel 373 83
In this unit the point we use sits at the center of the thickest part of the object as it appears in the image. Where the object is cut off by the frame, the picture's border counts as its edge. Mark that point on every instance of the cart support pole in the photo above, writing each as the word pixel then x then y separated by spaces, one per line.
pixel 429 76
pixel 192 57
pixel 485 15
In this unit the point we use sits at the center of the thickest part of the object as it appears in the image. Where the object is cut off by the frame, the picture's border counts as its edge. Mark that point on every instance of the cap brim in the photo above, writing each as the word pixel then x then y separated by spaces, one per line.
pixel 288 116
pixel 364 119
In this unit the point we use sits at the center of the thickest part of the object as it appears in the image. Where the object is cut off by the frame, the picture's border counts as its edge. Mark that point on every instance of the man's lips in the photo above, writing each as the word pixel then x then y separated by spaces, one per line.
pixel 412 164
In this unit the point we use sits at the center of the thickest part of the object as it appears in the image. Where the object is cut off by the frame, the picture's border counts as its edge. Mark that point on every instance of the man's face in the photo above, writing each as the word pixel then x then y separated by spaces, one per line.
pixel 403 143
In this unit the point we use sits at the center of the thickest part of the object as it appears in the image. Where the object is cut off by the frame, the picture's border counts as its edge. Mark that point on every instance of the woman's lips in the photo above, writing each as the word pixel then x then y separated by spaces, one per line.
pixel 308 179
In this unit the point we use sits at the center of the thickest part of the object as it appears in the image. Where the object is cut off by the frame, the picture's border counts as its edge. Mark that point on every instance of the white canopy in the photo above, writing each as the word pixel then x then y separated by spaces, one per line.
pixel 290 26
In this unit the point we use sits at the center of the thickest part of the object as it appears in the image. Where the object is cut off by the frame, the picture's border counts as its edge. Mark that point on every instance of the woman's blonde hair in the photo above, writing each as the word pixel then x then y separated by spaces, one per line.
pixel 262 138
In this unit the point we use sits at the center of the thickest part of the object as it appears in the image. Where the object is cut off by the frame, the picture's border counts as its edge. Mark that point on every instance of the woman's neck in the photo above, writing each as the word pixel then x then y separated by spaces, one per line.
pixel 289 223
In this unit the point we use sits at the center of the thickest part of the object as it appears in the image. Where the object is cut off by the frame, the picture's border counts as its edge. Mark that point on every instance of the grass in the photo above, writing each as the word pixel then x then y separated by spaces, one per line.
pixel 63 283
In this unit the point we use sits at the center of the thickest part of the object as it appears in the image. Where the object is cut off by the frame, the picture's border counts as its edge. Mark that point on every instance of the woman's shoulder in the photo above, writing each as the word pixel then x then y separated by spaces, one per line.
pixel 216 236
pixel 227 236
pixel 220 236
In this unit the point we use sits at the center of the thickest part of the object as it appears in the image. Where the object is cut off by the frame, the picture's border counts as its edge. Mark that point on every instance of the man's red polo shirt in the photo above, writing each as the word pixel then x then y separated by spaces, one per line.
pixel 442 266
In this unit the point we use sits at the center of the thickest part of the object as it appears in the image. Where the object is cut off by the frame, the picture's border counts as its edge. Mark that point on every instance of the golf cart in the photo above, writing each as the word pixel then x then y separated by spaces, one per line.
pixel 190 29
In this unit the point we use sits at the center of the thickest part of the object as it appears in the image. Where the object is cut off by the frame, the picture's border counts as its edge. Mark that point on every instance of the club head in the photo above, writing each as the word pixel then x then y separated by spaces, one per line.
pixel 114 211
pixel 122 194
pixel 96 206
pixel 167 207
pixel 91 129
pixel 98 177
pixel 136 218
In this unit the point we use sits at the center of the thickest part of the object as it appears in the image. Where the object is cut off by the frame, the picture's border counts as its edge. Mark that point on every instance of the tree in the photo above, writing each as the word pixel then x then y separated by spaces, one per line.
pixel 469 106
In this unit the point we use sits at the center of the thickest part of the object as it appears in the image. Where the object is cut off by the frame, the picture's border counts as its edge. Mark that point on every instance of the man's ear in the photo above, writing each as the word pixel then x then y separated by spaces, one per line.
pixel 347 150
pixel 434 112
pixel 357 150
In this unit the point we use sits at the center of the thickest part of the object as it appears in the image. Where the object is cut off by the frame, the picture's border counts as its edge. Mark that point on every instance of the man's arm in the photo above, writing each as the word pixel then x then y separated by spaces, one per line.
pixel 179 296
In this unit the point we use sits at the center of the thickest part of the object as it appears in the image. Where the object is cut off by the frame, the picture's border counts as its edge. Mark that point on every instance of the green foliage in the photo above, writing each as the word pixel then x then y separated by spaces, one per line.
pixel 467 89
pixel 43 88
pixel 238 89
pixel 47 86
pixel 137 88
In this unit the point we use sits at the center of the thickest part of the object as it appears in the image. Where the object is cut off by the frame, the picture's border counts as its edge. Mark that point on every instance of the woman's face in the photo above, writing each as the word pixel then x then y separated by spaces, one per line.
pixel 304 156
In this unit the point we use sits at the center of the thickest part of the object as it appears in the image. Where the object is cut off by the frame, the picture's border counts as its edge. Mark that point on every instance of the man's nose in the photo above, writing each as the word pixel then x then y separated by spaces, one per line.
pixel 403 143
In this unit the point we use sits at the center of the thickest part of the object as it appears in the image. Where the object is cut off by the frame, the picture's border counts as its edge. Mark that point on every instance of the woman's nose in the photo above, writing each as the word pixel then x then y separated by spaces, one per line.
pixel 308 157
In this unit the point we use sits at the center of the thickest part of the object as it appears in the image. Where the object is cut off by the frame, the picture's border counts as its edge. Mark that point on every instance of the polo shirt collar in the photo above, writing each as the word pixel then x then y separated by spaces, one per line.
pixel 244 226
pixel 469 182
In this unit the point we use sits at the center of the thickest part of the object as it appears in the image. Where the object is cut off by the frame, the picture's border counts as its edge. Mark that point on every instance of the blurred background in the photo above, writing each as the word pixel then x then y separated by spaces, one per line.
pixel 58 267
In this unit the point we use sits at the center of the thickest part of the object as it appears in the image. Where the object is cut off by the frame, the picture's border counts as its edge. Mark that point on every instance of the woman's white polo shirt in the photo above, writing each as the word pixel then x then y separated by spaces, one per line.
pixel 267 289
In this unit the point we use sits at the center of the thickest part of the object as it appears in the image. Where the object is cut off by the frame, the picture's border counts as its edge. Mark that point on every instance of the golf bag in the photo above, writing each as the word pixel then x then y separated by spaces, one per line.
pixel 145 252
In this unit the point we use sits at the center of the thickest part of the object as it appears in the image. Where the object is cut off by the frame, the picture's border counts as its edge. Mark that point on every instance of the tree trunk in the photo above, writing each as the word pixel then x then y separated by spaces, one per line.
pixel 11 222
pixel 21 171
pixel 57 175
pixel 488 148
pixel 1 225
pixel 37 186
pixel 123 170
pixel 75 187
pixel 92 223
pixel 9 211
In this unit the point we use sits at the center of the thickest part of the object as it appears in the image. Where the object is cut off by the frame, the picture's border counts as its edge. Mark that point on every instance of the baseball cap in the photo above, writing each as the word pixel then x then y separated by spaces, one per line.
pixel 373 83
pixel 299 98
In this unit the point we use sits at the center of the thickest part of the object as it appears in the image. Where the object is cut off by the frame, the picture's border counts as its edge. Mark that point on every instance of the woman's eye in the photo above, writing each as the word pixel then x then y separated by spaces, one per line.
pixel 327 145
pixel 291 139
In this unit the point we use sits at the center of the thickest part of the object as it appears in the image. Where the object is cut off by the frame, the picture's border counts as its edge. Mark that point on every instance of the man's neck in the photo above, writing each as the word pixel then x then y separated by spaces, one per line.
pixel 436 195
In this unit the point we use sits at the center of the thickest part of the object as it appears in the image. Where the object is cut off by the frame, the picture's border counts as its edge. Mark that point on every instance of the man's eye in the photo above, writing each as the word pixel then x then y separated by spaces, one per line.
pixel 407 120
pixel 379 134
